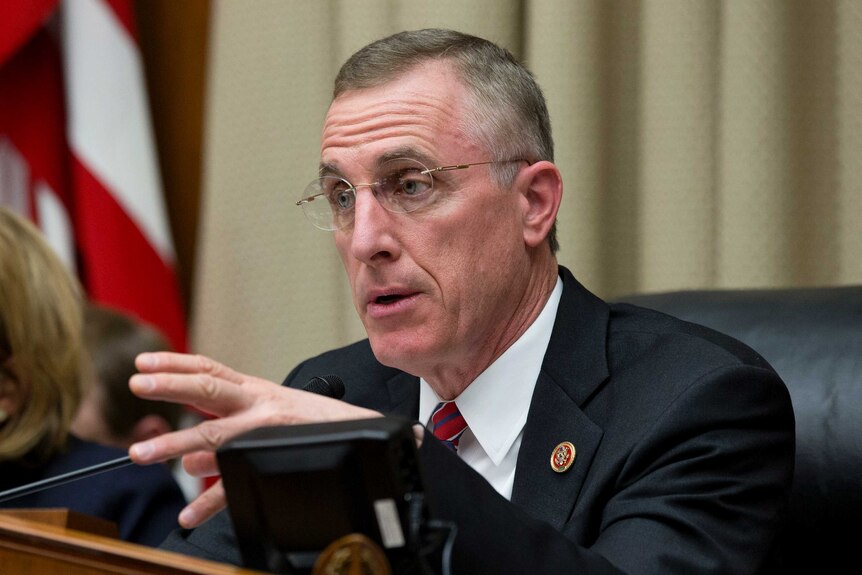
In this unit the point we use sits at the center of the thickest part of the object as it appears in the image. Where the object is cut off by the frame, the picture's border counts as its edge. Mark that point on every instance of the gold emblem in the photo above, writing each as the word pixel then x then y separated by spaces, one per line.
pixel 562 457
pixel 353 554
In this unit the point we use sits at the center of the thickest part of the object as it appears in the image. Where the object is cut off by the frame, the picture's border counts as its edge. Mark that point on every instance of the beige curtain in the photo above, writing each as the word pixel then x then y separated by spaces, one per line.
pixel 703 144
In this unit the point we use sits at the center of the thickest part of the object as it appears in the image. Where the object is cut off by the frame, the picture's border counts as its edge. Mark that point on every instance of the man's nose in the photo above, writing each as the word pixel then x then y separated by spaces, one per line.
pixel 373 226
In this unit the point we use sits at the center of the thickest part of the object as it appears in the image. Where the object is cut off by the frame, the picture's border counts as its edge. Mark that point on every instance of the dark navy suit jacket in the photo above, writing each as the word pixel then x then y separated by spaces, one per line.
pixel 684 452
pixel 144 502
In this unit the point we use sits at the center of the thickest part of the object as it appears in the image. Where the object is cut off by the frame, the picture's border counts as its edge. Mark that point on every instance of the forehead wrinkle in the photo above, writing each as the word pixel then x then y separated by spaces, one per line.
pixel 391 103
pixel 371 126
pixel 370 134
pixel 419 109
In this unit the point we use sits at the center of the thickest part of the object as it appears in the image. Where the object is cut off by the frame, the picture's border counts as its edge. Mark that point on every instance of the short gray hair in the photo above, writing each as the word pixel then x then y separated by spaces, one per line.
pixel 509 117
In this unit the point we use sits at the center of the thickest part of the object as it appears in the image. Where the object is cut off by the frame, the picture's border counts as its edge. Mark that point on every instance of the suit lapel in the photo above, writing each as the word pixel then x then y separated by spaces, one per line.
pixel 574 367
pixel 553 418
pixel 403 396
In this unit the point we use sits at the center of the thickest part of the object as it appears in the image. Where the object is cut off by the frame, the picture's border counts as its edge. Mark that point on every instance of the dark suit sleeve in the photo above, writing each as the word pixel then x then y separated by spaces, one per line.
pixel 700 491
pixel 214 540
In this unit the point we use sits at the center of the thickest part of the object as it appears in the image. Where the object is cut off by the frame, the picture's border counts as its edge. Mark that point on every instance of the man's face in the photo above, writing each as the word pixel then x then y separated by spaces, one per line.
pixel 436 289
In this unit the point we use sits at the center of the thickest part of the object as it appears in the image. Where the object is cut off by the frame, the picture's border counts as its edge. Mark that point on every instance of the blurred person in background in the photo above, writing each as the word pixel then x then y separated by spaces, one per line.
pixel 42 369
pixel 110 413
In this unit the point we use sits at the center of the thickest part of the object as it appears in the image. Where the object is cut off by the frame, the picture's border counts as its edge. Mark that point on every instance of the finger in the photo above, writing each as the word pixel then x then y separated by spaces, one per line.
pixel 166 361
pixel 201 464
pixel 205 506
pixel 208 435
pixel 204 391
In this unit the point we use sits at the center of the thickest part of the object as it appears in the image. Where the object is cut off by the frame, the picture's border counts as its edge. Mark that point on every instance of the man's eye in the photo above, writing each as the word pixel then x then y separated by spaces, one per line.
pixel 413 187
pixel 410 183
pixel 343 199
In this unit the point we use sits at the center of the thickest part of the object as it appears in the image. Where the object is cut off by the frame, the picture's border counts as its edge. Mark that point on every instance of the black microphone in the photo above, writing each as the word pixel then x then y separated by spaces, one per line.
pixel 327 385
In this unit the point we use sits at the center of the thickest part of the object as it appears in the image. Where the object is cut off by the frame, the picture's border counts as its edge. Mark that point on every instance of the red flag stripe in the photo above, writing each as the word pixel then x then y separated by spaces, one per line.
pixel 19 21
pixel 32 113
pixel 118 264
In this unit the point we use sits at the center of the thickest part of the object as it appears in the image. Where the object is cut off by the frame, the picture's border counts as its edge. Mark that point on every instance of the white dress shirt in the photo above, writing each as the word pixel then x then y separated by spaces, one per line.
pixel 496 403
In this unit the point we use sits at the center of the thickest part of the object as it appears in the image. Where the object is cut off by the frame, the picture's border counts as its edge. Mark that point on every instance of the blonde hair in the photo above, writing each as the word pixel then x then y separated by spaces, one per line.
pixel 41 331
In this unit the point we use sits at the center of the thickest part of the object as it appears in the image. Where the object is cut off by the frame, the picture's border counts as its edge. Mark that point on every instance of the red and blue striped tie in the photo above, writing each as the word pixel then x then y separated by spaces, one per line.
pixel 447 424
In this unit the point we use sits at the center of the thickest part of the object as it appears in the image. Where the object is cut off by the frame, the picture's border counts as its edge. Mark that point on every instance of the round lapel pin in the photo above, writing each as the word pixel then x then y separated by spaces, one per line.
pixel 562 457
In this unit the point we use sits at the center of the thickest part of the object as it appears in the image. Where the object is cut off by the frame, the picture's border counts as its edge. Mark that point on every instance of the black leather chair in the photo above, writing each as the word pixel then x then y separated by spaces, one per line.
pixel 813 339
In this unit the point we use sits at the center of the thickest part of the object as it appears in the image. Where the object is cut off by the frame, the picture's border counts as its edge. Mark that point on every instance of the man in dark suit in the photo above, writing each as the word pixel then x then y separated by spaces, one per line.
pixel 598 438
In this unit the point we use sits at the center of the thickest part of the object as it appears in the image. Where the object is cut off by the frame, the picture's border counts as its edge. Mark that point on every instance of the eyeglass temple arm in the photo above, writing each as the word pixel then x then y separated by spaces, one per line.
pixel 449 168
pixel 464 166
pixel 308 199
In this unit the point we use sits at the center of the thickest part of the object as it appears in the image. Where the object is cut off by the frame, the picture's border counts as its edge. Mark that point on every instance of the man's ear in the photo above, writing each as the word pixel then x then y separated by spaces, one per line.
pixel 542 188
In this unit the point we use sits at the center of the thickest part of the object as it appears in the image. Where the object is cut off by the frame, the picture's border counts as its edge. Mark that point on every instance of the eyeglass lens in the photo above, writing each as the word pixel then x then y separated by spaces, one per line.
pixel 405 185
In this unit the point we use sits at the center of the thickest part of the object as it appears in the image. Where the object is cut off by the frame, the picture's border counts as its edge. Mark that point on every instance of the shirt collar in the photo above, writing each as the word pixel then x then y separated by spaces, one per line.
pixel 495 404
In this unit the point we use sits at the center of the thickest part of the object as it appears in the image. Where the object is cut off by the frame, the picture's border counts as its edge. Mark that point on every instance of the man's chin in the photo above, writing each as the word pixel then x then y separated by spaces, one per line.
pixel 398 352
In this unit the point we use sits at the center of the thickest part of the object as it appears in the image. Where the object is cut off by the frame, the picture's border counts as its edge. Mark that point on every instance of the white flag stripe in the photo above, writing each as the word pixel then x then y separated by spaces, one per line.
pixel 14 178
pixel 56 224
pixel 109 129
pixel 53 218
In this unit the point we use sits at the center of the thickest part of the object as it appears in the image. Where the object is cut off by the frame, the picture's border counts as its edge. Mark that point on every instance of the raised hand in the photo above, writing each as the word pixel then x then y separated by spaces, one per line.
pixel 239 403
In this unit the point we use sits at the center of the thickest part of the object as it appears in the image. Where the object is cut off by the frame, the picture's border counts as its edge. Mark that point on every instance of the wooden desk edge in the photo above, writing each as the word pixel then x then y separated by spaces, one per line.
pixel 15 531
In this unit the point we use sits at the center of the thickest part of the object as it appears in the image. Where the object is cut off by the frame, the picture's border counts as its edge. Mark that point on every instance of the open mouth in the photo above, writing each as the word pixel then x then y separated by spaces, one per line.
pixel 390 304
pixel 388 298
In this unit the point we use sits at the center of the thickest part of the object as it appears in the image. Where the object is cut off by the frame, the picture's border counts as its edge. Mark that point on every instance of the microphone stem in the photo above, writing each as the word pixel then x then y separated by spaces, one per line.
pixel 64 478
pixel 328 385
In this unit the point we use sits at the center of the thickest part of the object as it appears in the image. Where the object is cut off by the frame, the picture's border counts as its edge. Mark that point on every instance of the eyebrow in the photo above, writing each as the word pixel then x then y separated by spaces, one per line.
pixel 328 169
pixel 406 152
pixel 332 169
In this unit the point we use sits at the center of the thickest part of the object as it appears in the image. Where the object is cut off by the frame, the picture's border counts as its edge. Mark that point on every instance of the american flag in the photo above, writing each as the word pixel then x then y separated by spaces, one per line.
pixel 77 152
